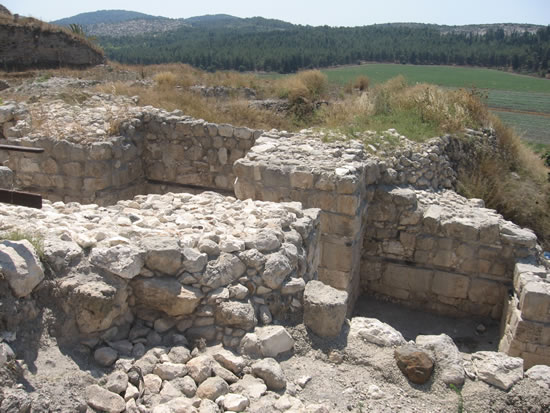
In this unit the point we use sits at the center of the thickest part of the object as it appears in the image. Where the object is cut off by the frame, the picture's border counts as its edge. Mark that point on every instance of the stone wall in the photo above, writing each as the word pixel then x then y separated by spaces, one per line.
pixel 440 252
pixel 30 43
pixel 525 326
pixel 98 172
pixel 326 176
pixel 152 151
pixel 212 266
pixel 185 151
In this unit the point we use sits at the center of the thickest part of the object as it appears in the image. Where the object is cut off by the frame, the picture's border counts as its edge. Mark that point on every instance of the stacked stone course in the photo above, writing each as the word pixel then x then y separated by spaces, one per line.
pixel 440 251
pixel 525 327
pixel 326 176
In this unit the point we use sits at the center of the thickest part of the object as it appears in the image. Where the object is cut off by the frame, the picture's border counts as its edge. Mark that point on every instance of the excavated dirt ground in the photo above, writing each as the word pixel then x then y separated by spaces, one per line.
pixel 345 376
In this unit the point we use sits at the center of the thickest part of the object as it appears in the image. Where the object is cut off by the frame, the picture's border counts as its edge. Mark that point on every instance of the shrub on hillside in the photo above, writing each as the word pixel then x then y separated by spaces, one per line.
pixel 361 83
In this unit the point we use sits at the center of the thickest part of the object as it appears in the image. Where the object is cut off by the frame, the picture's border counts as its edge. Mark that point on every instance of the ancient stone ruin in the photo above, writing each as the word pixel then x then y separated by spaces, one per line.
pixel 290 227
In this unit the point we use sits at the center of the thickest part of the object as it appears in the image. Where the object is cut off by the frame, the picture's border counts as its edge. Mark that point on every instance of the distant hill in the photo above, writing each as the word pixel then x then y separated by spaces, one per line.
pixel 221 41
pixel 116 23
pixel 103 17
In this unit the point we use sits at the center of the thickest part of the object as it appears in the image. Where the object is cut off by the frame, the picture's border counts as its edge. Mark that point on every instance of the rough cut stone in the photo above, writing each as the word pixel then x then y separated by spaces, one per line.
pixel 186 385
pixel 498 369
pixel 274 340
pixel 270 372
pixel 235 402
pixel 375 331
pixel 105 356
pixel 21 266
pixel 277 267
pixel 541 375
pixel 212 388
pixel 166 294
pixel 249 386
pixel 104 400
pixel 163 254
pixel 194 261
pixel 225 270
pixel 229 360
pixel 447 357
pixel 200 368
pixel 236 314
pixel 170 371
pixel 122 260
pixel 414 363
pixel 117 382
pixel 325 309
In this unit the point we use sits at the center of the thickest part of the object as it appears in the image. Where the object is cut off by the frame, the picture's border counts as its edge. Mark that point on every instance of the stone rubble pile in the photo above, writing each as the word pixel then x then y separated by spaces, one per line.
pixel 210 265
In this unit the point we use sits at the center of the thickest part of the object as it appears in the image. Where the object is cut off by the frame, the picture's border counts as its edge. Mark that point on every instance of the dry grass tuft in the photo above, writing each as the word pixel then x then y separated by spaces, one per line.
pixel 514 181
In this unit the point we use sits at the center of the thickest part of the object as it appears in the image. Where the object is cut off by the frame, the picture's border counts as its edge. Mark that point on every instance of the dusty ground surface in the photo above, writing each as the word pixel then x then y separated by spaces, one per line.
pixel 345 374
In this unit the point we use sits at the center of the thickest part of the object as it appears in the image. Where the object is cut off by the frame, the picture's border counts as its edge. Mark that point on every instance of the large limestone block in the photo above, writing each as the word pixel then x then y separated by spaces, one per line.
pixel 274 340
pixel 375 331
pixel 104 400
pixel 277 268
pixel 226 269
pixel 166 294
pixel 123 260
pixel 498 369
pixel 236 314
pixel 541 375
pixel 450 285
pixel 21 266
pixel 163 254
pixel 60 254
pixel 535 301
pixel 324 308
pixel 271 373
pixel 94 301
pixel 447 357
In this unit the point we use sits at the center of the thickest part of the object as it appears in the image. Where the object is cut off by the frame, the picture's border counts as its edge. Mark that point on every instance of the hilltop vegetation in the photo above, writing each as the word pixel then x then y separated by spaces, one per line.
pixel 103 16
pixel 256 44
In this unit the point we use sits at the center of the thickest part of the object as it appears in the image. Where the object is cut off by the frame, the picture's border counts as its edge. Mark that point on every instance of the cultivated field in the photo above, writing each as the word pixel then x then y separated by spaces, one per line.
pixel 521 101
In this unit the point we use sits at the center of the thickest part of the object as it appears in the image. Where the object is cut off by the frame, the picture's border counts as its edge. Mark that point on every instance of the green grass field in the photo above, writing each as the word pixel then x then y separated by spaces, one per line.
pixel 504 90
pixel 524 101
pixel 532 128
pixel 449 76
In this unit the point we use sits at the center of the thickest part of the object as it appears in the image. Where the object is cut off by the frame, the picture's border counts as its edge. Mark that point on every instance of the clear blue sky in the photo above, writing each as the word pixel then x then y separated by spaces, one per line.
pixel 312 12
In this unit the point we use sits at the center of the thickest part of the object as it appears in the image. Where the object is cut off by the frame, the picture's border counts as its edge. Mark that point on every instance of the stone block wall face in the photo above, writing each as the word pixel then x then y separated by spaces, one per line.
pixel 99 172
pixel 156 152
pixel 525 327
pixel 277 169
pixel 183 151
pixel 440 252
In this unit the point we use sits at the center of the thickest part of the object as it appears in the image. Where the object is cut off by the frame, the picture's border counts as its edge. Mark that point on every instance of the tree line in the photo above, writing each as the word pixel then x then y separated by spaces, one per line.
pixel 286 50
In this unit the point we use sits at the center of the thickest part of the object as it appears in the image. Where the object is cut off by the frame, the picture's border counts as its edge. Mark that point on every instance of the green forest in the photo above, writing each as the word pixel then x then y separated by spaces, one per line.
pixel 267 45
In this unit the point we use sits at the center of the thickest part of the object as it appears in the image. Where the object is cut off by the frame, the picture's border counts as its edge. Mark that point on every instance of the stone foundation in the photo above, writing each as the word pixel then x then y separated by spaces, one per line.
pixel 525 327
pixel 326 176
pixel 155 149
pixel 418 245
pixel 213 266
pixel 440 252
